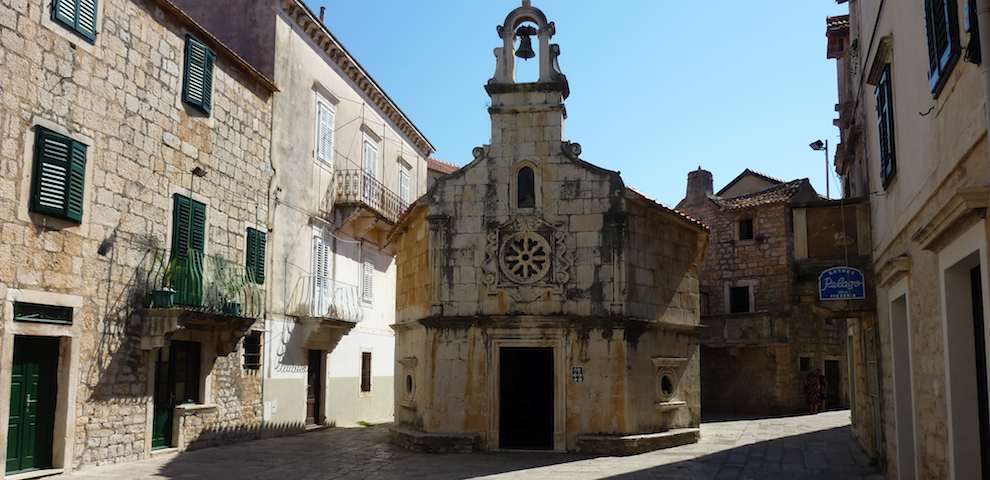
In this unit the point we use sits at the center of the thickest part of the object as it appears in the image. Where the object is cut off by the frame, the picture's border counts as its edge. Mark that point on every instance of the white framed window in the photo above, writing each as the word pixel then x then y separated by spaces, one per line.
pixel 367 282
pixel 369 154
pixel 404 192
pixel 322 288
pixel 325 114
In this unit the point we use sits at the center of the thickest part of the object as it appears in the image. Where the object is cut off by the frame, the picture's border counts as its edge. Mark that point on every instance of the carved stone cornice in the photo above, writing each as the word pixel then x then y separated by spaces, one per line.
pixel 965 208
pixel 321 36
pixel 893 270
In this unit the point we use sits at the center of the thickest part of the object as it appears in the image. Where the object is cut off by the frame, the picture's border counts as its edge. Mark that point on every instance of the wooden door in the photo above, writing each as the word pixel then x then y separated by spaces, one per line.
pixel 161 428
pixel 314 388
pixel 33 391
pixel 176 382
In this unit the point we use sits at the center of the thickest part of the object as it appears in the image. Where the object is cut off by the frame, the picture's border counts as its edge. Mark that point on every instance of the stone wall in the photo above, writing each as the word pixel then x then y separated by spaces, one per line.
pixel 121 96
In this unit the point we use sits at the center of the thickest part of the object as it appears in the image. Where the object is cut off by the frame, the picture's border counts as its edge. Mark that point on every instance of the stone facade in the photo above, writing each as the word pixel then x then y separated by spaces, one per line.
pixel 332 212
pixel 121 96
pixel 928 197
pixel 769 242
pixel 529 248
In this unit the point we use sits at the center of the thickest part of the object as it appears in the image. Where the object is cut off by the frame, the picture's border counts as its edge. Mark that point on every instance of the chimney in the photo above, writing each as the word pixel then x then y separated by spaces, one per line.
pixel 699 186
pixel 323 11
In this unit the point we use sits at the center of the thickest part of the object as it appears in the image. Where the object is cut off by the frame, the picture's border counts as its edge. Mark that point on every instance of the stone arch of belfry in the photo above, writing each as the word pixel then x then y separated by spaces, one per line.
pixel 505 65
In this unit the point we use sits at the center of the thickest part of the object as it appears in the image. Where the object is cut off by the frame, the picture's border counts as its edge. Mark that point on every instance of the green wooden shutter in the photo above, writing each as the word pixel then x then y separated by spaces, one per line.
pixel 58 182
pixel 78 16
pixel 180 226
pixel 77 183
pixel 197 79
pixel 255 262
pixel 188 226
pixel 942 33
pixel 188 239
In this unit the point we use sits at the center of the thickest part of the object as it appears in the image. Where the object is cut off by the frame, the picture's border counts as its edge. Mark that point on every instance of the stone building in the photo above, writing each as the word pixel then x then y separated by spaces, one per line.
pixel 766 327
pixel 347 163
pixel 135 171
pixel 913 89
pixel 543 304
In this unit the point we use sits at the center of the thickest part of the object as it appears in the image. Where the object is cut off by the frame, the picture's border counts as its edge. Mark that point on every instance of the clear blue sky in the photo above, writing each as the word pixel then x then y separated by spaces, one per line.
pixel 657 87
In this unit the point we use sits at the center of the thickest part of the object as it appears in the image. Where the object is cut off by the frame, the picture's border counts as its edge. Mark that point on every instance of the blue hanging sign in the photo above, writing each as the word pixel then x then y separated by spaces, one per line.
pixel 841 283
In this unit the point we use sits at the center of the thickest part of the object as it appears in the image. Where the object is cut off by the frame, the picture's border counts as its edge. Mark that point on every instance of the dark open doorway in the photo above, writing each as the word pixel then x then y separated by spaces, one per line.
pixel 833 383
pixel 526 387
pixel 314 388
pixel 979 343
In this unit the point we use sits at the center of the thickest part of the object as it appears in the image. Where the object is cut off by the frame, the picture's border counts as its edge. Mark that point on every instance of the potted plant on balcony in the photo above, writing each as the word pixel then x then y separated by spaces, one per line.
pixel 232 288
pixel 164 296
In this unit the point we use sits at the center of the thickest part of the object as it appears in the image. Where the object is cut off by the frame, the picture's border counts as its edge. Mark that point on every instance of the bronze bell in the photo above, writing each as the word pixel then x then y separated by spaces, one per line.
pixel 525 50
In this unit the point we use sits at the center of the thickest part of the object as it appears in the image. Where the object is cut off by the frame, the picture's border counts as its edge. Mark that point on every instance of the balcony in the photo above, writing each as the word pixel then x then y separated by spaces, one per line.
pixel 326 309
pixel 199 292
pixel 363 206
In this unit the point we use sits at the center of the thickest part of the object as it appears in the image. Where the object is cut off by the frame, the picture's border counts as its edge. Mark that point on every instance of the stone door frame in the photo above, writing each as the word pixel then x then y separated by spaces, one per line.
pixel 64 431
pixel 510 338
pixel 967 250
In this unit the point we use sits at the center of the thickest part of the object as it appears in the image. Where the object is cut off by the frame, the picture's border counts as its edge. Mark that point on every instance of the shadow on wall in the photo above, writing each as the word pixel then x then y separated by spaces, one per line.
pixel 116 372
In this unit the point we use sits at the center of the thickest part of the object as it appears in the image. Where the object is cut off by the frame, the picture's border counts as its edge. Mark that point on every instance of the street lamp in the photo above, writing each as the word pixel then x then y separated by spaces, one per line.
pixel 819 146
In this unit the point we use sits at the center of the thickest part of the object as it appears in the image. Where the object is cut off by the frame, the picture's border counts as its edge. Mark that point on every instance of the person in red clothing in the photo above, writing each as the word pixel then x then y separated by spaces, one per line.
pixel 813 390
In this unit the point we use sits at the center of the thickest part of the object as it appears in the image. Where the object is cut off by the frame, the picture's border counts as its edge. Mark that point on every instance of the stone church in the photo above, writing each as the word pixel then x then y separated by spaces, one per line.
pixel 543 304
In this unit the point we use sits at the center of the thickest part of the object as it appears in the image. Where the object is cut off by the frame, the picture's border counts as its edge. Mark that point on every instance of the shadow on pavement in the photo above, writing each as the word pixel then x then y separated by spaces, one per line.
pixel 825 454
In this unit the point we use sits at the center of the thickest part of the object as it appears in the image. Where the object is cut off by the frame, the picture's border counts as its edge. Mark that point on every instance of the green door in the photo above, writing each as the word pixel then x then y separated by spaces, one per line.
pixel 176 383
pixel 161 428
pixel 32 403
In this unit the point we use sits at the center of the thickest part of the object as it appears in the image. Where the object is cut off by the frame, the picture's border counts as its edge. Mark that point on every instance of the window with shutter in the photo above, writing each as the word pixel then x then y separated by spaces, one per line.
pixel 942 29
pixel 321 277
pixel 59 176
pixel 324 130
pixel 973 53
pixel 404 192
pixel 252 351
pixel 197 80
pixel 367 279
pixel 254 264
pixel 365 371
pixel 885 127
pixel 188 243
pixel 78 16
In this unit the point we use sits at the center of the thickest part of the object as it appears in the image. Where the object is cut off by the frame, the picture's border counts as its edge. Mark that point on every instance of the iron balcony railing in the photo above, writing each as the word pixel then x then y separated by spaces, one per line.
pixel 208 283
pixel 323 297
pixel 357 187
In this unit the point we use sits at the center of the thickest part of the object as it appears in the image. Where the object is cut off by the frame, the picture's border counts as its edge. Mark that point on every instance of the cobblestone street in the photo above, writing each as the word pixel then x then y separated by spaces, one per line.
pixel 808 446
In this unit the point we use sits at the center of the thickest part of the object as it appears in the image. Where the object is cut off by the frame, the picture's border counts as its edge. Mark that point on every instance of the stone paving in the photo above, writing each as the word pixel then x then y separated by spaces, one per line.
pixel 797 447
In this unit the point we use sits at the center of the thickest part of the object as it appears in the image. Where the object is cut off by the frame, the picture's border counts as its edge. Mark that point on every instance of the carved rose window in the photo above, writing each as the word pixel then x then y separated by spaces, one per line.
pixel 525 257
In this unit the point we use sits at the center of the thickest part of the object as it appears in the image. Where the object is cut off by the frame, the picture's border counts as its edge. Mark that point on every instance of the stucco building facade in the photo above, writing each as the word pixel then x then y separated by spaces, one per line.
pixel 542 304
pixel 766 327
pixel 913 83
pixel 347 163
pixel 135 171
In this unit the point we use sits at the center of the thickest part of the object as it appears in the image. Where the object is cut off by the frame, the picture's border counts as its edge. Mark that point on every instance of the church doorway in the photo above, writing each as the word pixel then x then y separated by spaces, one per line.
pixel 526 400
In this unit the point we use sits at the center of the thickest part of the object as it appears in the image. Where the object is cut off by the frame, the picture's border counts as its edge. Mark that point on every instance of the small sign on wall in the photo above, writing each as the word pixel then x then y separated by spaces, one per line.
pixel 577 374
pixel 841 283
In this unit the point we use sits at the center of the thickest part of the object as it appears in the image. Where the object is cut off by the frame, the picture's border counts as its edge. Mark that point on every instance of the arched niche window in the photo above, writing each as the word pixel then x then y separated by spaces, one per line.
pixel 525 188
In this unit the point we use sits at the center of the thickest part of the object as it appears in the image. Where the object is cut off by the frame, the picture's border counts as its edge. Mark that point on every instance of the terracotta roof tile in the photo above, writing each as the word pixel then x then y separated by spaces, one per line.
pixel 774 194
pixel 441 166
